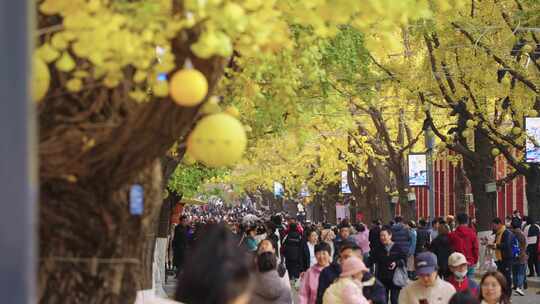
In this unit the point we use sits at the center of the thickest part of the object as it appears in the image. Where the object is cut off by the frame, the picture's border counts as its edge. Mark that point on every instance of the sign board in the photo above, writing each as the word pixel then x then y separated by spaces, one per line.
pixel 345 189
pixel 417 170
pixel 532 146
pixel 491 187
pixel 304 191
pixel 136 200
pixel 279 190
pixel 411 197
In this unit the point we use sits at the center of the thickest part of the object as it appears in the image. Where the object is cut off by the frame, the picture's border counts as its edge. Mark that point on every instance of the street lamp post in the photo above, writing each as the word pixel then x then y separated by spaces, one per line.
pixel 18 162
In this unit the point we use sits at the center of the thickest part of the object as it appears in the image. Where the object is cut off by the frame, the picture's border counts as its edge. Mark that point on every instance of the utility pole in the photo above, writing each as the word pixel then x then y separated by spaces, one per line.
pixel 429 139
pixel 18 151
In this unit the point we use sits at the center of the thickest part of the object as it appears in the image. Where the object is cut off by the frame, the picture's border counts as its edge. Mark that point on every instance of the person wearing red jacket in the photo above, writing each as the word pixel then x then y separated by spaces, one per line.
pixel 464 240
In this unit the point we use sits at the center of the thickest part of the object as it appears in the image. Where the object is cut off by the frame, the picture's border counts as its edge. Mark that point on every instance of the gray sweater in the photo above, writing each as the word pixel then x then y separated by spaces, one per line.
pixel 269 288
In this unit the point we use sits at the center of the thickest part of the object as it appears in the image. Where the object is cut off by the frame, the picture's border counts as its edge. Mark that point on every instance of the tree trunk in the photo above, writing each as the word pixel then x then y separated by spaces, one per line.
pixel 92 249
pixel 407 210
pixel 480 172
pixel 532 190
pixel 461 184
pixel 328 199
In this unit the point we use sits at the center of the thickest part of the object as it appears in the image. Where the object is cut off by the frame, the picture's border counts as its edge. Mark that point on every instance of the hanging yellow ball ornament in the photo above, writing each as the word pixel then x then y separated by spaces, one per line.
pixel 516 131
pixel 41 79
pixel 495 152
pixel 188 87
pixel 217 140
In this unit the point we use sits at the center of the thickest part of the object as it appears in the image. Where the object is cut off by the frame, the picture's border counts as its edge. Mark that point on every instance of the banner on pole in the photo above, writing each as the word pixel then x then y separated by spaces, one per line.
pixel 532 147
pixel 345 189
pixel 417 170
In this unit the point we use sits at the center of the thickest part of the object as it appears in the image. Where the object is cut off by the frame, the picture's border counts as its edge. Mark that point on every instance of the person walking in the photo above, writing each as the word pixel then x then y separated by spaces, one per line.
pixel 435 227
pixel 180 243
pixel 458 265
pixel 423 237
pixel 532 231
pixel 400 235
pixel 411 227
pixel 268 287
pixel 344 235
pixel 464 240
pixel 328 236
pixel 292 251
pixel 387 260
pixel 442 249
pixel 494 289
pixel 348 288
pixel 218 271
pixel 503 249
pixel 310 280
pixel 375 244
pixel 249 240
pixel 362 240
pixel 429 288
pixel 373 289
pixel 308 249
pixel 519 263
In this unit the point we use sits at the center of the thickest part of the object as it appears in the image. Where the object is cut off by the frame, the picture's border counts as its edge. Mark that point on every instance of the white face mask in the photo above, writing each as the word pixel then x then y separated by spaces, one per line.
pixel 460 275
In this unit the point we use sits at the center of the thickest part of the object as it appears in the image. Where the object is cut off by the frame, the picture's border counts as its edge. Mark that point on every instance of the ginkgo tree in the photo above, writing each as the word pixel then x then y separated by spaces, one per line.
pixel 110 103
pixel 479 69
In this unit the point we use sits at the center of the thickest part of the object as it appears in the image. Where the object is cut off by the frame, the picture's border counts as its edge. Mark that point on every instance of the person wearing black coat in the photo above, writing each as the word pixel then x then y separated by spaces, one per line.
pixel 442 249
pixel 292 252
pixel 373 289
pixel 387 259
pixel 533 232
pixel 423 237
pixel 503 249
pixel 180 243
pixel 308 249
pixel 374 241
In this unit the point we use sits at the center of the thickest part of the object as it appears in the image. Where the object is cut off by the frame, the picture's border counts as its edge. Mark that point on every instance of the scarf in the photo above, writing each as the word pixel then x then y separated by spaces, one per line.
pixel 498 240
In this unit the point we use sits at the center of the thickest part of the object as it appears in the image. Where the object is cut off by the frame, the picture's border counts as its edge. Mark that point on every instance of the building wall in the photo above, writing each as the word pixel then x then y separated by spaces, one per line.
pixel 509 197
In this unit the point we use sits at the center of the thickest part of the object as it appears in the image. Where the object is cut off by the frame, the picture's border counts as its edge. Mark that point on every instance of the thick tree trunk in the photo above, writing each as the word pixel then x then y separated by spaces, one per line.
pixel 480 172
pixel 327 199
pixel 370 193
pixel 407 209
pixel 533 191
pixel 92 249
pixel 461 183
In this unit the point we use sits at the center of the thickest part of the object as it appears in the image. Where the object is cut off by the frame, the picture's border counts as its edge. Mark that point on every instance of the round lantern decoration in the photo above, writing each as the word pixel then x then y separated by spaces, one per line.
pixel 217 140
pixel 188 87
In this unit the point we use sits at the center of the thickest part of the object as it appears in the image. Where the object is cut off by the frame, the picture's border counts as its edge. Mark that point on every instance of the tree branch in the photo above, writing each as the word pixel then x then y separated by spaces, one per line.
pixel 497 59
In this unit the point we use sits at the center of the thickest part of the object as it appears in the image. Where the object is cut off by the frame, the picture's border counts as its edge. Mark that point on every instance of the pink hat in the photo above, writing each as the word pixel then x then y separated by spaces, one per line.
pixel 353 265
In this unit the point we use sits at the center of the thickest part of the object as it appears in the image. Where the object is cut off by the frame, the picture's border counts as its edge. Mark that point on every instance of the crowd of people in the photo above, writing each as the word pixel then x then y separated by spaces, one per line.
pixel 263 260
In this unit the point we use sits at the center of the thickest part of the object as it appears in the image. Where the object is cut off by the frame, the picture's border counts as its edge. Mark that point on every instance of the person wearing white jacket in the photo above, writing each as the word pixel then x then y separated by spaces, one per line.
pixel 429 288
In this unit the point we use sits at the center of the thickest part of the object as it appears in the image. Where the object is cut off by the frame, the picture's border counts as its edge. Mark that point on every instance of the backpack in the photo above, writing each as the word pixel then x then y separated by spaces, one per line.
pixel 516 250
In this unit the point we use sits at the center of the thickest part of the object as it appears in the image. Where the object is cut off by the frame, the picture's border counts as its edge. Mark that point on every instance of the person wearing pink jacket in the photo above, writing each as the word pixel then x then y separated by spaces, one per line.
pixel 362 239
pixel 309 282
